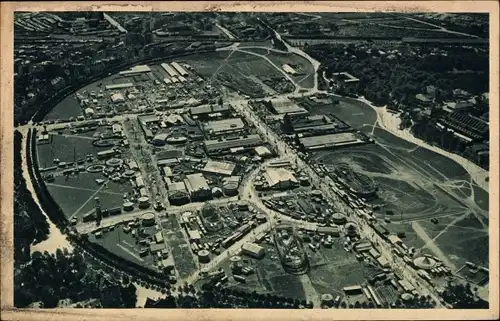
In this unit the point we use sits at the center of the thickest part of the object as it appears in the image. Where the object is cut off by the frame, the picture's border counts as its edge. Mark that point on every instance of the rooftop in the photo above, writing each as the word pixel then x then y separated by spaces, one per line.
pixel 222 168
pixel 176 187
pixel 252 247
pixel 276 175
pixel 196 182
pixel 224 144
pixel 286 106
pixel 119 86
pixel 219 126
pixel 329 140
pixel 135 70
pixel 208 109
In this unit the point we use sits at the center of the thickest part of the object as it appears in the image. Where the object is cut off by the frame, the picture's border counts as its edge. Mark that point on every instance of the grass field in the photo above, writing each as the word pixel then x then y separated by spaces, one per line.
pixel 68 107
pixel 184 260
pixel 123 245
pixel 244 67
pixel 334 269
pixel 76 194
pixel 66 149
pixel 306 80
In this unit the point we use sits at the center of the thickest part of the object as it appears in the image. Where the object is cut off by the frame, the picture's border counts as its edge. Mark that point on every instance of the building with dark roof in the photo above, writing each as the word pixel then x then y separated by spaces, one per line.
pixel 205 111
pixel 168 154
pixel 177 193
pixel 313 123
pixel 467 125
pixel 330 140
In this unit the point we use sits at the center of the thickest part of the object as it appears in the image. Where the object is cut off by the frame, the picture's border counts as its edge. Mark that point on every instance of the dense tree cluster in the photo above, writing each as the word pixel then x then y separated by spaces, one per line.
pixel 221 297
pixel 49 278
pixel 461 296
pixel 30 225
pixel 395 78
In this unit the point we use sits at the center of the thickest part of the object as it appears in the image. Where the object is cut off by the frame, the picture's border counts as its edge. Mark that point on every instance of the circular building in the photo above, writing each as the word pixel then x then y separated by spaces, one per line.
pixel 339 218
pixel 128 206
pixel 317 193
pixel 97 168
pixel 235 258
pixel 304 181
pixel 261 218
pixel 327 299
pixel 144 202
pixel 104 142
pixel 242 205
pixel 129 173
pixel 407 297
pixel 230 188
pixel 148 219
pixel 204 256
pixel 424 263
pixel 114 162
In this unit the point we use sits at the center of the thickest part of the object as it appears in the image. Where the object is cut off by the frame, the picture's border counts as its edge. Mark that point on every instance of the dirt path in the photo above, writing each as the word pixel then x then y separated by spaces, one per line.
pixel 431 245
pixel 310 291
pixel 391 122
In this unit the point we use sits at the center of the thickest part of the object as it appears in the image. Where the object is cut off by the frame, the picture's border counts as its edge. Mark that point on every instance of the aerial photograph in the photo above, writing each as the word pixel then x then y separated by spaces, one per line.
pixel 271 160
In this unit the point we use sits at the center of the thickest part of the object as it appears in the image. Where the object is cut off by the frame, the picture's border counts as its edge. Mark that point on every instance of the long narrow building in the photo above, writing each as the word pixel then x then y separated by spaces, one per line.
pixel 179 69
pixel 170 71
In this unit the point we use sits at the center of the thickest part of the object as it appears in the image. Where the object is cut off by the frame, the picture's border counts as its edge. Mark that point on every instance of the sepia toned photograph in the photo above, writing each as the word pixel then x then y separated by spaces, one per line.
pixel 252 160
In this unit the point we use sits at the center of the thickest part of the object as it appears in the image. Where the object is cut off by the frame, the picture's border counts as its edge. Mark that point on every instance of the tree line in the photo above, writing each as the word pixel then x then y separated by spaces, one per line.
pixel 30 224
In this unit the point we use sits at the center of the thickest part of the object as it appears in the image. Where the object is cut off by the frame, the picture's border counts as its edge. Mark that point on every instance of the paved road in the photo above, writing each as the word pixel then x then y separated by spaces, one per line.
pixel 113 220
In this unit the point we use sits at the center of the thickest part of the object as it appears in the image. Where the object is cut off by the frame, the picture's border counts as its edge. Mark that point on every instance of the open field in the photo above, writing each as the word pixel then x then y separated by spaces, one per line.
pixel 306 80
pixel 334 268
pixel 246 70
pixel 184 260
pixel 417 184
pixel 68 107
pixel 123 245
pixel 76 194
pixel 66 149
pixel 404 186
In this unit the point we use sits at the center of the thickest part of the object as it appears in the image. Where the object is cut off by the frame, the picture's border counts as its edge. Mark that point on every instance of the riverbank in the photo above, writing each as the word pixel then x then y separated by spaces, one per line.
pixel 390 122
pixel 56 240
